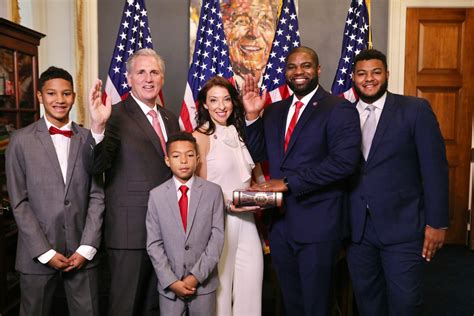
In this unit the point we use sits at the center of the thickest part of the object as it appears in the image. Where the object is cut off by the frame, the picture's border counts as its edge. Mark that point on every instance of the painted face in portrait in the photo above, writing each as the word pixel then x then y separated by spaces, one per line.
pixel 249 26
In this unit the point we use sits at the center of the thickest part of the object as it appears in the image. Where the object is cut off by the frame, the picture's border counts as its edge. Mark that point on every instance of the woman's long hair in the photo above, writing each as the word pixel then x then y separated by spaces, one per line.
pixel 237 118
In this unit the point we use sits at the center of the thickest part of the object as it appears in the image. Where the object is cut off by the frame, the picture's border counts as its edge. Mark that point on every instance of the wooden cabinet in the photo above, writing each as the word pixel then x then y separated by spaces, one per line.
pixel 18 108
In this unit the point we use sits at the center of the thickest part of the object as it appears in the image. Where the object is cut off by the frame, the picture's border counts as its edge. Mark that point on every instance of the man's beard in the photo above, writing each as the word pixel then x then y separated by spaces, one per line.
pixel 312 84
pixel 371 99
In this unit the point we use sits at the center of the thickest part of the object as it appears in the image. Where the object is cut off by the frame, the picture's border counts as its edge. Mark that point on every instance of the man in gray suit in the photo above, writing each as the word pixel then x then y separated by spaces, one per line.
pixel 127 143
pixel 185 238
pixel 57 206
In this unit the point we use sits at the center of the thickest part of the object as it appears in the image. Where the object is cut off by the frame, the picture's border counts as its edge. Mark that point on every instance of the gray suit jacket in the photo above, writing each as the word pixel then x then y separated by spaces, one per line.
pixel 133 161
pixel 176 254
pixel 49 213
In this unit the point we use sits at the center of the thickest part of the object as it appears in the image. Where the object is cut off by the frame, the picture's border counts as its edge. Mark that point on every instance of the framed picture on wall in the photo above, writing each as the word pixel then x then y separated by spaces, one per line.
pixel 249 26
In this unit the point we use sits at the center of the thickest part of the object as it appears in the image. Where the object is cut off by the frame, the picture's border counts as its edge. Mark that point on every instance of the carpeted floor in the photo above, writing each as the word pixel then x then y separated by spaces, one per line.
pixel 448 290
pixel 449 283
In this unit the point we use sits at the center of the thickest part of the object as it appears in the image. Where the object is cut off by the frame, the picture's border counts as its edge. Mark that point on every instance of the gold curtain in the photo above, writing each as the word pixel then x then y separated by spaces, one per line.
pixel 80 62
pixel 15 11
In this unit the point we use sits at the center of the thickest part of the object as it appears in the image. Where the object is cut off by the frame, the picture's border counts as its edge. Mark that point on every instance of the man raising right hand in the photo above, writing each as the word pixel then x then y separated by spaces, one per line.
pixel 127 143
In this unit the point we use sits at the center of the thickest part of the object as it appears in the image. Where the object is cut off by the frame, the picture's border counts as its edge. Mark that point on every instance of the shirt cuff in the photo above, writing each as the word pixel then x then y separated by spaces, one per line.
pixel 48 255
pixel 98 137
pixel 86 251
pixel 437 228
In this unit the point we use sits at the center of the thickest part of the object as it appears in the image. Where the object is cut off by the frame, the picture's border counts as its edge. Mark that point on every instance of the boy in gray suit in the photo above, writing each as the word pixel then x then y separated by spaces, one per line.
pixel 57 206
pixel 185 233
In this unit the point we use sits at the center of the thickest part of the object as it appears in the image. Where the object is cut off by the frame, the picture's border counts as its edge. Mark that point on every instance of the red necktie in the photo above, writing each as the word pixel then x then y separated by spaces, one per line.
pixel 53 131
pixel 292 125
pixel 183 205
pixel 157 128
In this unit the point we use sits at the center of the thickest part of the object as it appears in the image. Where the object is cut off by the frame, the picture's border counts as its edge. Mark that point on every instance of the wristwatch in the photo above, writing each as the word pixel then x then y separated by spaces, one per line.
pixel 228 205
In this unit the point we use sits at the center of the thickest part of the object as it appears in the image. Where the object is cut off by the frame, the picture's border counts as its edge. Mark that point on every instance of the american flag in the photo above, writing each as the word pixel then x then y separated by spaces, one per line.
pixel 210 58
pixel 356 39
pixel 287 37
pixel 133 34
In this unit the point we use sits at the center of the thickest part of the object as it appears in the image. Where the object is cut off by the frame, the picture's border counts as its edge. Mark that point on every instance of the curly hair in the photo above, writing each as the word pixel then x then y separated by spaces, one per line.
pixel 237 118
pixel 369 54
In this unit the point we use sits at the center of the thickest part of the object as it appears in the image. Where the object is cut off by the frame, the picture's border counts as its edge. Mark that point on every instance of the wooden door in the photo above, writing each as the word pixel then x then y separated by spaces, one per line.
pixel 439 67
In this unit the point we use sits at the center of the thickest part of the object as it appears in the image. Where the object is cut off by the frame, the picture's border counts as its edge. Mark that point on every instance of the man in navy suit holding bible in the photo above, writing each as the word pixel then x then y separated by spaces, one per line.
pixel 312 143
pixel 399 196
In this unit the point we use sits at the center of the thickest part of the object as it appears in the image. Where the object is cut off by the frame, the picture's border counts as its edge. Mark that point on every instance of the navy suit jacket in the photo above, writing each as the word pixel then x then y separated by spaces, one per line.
pixel 404 182
pixel 323 151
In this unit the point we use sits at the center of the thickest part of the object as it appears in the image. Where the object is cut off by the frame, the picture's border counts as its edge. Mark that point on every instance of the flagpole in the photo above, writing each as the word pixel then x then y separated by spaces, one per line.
pixel 367 2
pixel 280 5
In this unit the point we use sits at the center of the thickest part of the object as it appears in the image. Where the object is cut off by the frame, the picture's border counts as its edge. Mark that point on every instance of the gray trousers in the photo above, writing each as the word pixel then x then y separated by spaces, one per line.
pixel 81 288
pixel 204 305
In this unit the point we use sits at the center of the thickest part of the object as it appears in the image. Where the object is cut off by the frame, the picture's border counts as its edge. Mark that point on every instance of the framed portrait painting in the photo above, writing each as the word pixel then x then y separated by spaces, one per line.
pixel 249 27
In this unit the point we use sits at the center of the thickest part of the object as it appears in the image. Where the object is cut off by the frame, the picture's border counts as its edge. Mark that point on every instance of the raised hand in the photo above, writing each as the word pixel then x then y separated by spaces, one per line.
pixel 253 101
pixel 99 112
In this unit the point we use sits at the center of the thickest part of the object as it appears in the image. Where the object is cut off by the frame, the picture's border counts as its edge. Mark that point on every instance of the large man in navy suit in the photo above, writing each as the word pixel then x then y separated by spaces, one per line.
pixel 399 197
pixel 310 154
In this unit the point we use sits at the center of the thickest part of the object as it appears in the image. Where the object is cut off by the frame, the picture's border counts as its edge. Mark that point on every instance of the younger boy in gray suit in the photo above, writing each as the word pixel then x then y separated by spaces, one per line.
pixel 185 233
pixel 57 206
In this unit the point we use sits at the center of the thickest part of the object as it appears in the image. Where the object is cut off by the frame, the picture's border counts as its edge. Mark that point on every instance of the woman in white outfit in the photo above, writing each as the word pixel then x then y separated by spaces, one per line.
pixel 225 160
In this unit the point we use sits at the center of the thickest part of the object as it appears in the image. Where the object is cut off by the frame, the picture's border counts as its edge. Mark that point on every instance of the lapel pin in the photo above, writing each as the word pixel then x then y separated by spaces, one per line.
pixel 315 103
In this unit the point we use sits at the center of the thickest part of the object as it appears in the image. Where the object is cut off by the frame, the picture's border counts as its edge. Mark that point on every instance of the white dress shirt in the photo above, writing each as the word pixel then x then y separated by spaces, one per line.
pixel 61 145
pixel 305 100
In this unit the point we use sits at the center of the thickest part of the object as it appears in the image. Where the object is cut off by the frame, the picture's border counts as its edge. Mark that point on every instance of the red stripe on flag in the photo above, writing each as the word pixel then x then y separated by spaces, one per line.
pixel 184 115
pixel 284 92
pixel 124 96
pixel 268 100
pixel 104 97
